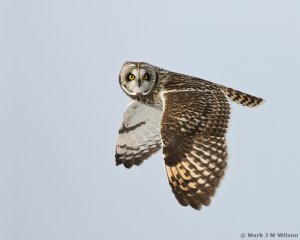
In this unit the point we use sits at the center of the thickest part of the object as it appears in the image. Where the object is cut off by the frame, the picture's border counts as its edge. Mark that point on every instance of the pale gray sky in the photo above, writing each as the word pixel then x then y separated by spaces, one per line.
pixel 61 106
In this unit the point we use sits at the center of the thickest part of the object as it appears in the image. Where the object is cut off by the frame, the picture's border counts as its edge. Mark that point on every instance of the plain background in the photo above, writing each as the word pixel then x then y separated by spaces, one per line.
pixel 61 107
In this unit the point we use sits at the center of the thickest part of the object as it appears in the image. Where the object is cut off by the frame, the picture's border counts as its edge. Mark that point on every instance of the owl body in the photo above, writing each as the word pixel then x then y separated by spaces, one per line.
pixel 185 116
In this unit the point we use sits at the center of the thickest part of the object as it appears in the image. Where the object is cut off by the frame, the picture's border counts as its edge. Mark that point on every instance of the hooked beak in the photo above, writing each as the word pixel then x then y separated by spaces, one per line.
pixel 139 82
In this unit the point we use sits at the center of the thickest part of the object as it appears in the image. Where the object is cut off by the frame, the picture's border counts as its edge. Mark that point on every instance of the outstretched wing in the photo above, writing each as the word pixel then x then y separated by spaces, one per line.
pixel 139 135
pixel 199 84
pixel 193 128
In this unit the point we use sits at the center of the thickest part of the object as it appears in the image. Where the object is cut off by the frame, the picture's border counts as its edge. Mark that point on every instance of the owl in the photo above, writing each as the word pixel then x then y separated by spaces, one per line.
pixel 185 116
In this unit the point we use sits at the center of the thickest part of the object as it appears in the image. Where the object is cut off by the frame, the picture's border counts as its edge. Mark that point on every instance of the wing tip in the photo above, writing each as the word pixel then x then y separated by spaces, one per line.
pixel 260 103
pixel 195 203
pixel 196 206
pixel 242 98
pixel 127 163
pixel 119 161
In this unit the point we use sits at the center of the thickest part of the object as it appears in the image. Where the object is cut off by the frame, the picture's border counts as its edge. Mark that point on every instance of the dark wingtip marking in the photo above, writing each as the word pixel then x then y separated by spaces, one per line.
pixel 196 206
pixel 242 98
pixel 118 160
pixel 125 129
pixel 128 164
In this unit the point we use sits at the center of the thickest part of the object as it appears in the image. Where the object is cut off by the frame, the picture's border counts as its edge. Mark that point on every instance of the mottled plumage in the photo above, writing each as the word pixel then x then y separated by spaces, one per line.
pixel 139 135
pixel 187 117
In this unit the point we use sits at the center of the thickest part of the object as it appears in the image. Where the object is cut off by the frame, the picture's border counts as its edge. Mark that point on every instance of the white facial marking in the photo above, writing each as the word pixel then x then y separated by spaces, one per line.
pixel 136 74
pixel 142 73
pixel 139 85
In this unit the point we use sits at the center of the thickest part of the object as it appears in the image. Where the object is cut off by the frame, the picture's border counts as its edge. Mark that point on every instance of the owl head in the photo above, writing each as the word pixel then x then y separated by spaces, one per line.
pixel 137 78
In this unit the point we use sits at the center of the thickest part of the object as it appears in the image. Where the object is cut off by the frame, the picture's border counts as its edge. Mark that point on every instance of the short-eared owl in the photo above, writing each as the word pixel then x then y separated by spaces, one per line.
pixel 187 117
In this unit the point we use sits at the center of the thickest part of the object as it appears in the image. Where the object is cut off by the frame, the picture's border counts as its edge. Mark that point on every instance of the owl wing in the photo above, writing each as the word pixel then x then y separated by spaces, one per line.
pixel 193 128
pixel 139 134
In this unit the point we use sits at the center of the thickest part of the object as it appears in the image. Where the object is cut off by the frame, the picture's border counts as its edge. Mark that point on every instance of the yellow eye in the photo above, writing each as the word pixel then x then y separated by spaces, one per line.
pixel 146 76
pixel 131 77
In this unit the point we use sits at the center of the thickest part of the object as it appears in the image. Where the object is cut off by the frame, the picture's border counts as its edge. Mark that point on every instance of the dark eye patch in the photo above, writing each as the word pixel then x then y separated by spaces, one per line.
pixel 130 77
pixel 146 77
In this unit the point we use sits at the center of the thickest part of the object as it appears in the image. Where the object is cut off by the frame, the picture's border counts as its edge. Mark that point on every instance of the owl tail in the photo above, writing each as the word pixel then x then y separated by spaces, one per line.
pixel 242 98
